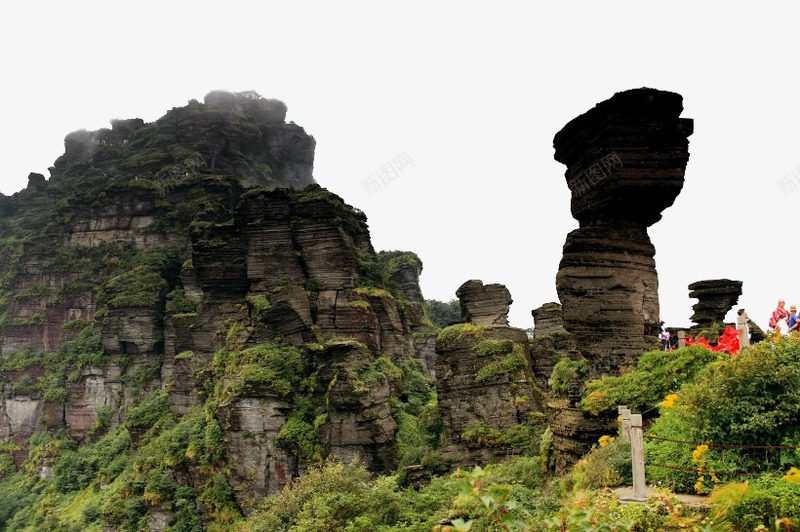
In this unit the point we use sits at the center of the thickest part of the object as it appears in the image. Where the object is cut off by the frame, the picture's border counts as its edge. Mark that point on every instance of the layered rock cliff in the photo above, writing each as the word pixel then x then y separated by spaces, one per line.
pixel 189 271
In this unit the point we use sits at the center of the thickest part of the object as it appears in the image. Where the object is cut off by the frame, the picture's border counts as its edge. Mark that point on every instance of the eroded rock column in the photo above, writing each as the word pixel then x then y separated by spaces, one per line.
pixel 625 163
pixel 486 390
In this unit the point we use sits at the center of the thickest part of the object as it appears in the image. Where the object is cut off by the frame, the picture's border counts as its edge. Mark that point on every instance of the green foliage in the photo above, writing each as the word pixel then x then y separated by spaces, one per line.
pixel 153 408
pixel 338 497
pixel 299 434
pixel 33 291
pixel 489 347
pixel 217 497
pixel 377 272
pixel 147 281
pixel 277 365
pixel 749 399
pixel 518 437
pixel 104 414
pixel 565 373
pixel 180 303
pixel 259 302
pixel 86 349
pixel 443 314
pixel 25 384
pixel 54 388
pixel 764 502
pixel 139 287
pixel 491 497
pixel 657 374
pixel 510 364
pixel 360 304
pixel 480 435
pixel 21 360
pixel 604 466
pixel 77 469
pixel 453 336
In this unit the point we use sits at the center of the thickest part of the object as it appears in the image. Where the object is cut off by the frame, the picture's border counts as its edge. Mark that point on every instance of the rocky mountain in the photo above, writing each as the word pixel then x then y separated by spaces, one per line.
pixel 189 273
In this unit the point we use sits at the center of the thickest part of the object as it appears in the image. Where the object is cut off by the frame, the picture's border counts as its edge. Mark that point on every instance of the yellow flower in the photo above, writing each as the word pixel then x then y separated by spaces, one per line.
pixel 605 440
pixel 619 419
pixel 697 454
pixel 793 474
pixel 669 401
pixel 699 487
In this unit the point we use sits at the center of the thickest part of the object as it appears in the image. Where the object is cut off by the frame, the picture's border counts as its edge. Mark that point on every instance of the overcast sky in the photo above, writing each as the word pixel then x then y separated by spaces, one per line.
pixel 472 94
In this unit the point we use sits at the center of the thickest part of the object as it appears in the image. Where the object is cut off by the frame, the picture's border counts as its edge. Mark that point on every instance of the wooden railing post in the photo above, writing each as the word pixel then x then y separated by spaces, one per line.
pixel 637 456
pixel 681 339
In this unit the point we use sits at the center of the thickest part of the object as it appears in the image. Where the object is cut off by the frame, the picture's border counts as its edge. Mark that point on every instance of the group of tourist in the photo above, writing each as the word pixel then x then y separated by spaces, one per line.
pixel 785 321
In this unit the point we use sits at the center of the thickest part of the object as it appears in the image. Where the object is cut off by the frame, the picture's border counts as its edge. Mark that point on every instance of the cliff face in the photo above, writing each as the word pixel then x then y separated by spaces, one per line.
pixel 193 260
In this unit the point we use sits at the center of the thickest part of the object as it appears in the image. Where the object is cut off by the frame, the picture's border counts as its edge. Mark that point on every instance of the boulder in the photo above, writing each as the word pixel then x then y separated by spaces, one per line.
pixel 484 304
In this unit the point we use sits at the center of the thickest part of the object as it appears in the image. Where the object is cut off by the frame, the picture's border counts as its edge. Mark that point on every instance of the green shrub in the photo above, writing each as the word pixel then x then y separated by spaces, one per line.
pixel 277 365
pixel 487 347
pixel 180 303
pixel 299 435
pixel 657 374
pixel 565 373
pixel 338 497
pixel 749 399
pixel 510 364
pixel 151 409
pixel 763 502
pixel 84 350
pixel 25 384
pixel 259 302
pixel 77 469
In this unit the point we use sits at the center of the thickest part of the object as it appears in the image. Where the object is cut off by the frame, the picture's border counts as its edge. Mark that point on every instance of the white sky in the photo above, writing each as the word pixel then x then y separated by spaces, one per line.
pixel 473 93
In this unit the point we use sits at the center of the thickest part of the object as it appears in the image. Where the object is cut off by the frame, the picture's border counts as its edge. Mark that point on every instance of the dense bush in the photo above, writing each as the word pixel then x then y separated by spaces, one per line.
pixel 763 502
pixel 565 373
pixel 749 399
pixel 344 498
pixel 657 374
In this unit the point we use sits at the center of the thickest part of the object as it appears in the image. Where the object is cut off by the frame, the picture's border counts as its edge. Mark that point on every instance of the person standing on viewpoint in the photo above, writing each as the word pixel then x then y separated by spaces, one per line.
pixel 741 326
pixel 779 319
pixel 793 324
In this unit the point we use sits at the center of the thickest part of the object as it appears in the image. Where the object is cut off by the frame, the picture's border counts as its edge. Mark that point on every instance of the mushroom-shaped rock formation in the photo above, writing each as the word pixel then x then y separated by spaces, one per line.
pixel 715 297
pixel 625 163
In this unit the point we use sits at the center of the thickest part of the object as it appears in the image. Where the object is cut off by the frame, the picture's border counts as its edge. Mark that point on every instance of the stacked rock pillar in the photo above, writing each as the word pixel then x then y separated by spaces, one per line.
pixel 625 162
